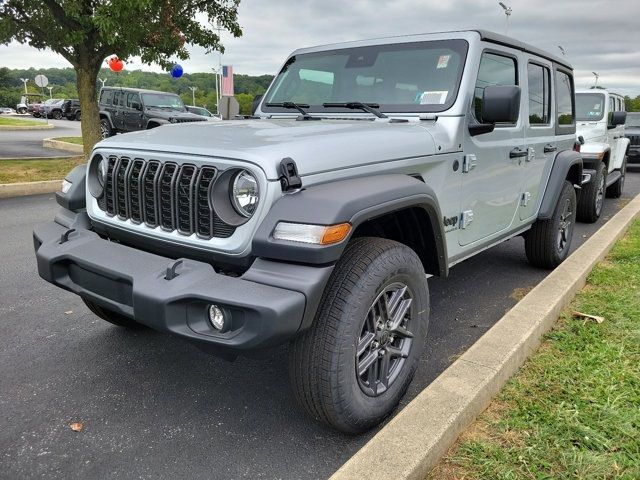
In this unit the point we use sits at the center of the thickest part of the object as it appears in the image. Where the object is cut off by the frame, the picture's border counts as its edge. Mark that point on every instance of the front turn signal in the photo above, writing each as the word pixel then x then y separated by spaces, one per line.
pixel 313 234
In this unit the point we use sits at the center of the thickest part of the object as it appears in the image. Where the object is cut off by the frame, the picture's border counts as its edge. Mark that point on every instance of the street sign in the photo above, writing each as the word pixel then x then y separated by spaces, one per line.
pixel 41 81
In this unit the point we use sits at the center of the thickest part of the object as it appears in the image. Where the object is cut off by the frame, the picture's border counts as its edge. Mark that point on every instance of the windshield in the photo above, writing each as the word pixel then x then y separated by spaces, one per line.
pixel 158 100
pixel 403 77
pixel 589 107
pixel 633 120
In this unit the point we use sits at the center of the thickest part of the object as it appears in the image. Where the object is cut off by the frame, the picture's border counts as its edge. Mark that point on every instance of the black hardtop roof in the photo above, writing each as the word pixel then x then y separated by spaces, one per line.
pixel 138 90
pixel 496 38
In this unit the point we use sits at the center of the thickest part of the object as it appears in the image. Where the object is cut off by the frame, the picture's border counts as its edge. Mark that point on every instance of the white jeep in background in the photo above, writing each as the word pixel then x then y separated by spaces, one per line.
pixel 600 117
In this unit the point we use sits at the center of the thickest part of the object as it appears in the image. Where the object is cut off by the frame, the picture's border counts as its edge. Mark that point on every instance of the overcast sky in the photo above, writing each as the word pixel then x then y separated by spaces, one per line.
pixel 598 35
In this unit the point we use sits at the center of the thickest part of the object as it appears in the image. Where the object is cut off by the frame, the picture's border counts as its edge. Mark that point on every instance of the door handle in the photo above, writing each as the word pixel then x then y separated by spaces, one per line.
pixel 550 148
pixel 518 152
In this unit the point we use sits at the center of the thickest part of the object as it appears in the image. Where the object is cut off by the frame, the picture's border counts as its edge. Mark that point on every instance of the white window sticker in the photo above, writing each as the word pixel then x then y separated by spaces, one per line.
pixel 436 97
pixel 443 61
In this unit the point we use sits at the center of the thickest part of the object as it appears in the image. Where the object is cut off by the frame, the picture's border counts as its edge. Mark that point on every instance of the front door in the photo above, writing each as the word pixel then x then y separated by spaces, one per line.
pixel 493 164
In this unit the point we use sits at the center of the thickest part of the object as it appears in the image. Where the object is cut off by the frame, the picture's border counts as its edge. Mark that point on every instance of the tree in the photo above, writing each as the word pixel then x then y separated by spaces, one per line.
pixel 86 31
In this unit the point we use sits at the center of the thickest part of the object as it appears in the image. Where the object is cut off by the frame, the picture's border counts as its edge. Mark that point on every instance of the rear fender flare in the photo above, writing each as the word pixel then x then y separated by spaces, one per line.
pixel 566 166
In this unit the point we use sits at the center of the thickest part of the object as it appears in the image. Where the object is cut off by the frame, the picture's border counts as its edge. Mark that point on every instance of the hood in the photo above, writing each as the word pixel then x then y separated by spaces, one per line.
pixel 166 113
pixel 316 146
pixel 591 131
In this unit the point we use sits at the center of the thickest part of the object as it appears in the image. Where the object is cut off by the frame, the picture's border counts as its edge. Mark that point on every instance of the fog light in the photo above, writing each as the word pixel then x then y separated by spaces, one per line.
pixel 216 317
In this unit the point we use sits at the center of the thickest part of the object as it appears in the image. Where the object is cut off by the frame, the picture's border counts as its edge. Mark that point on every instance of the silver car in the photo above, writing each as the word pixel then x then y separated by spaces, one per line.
pixel 371 166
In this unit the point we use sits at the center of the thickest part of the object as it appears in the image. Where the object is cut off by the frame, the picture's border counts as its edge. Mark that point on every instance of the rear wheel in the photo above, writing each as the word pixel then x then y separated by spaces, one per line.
pixel 105 128
pixel 591 199
pixel 354 364
pixel 548 242
pixel 111 316
pixel 615 189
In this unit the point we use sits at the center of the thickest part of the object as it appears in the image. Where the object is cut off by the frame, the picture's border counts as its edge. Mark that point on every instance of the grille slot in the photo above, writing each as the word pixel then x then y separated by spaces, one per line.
pixel 163 194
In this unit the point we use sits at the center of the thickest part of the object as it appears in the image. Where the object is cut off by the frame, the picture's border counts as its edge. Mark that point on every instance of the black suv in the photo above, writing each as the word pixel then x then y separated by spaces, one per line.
pixel 71 109
pixel 632 132
pixel 132 109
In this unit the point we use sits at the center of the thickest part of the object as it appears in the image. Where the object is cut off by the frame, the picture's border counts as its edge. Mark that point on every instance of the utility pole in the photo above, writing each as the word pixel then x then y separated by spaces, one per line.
pixel 193 95
pixel 507 11
pixel 25 80
pixel 217 90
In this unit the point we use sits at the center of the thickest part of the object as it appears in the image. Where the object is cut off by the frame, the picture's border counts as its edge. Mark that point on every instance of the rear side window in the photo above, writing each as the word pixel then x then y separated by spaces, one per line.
pixel 564 98
pixel 494 70
pixel 539 98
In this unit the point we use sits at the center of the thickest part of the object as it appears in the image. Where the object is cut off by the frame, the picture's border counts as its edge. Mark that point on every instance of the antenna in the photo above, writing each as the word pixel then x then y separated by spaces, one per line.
pixel 562 50
pixel 507 11
pixel 597 76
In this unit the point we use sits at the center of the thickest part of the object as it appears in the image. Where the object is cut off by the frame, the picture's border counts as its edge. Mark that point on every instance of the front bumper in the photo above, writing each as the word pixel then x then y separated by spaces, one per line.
pixel 267 304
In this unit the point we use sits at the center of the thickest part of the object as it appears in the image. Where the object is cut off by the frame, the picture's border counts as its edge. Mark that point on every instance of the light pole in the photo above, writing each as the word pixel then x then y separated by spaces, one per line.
pixel 25 80
pixel 50 87
pixel 217 91
pixel 193 95
pixel 597 76
pixel 102 81
pixel 507 11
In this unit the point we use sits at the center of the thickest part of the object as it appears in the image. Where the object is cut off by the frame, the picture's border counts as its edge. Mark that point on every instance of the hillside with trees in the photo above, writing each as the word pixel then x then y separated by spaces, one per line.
pixel 63 81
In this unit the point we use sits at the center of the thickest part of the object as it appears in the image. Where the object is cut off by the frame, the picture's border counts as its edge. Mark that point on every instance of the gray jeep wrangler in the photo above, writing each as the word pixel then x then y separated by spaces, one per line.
pixel 131 109
pixel 371 165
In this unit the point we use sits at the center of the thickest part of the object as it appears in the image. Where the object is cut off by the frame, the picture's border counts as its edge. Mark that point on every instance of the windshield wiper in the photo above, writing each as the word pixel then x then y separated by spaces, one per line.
pixel 367 107
pixel 295 106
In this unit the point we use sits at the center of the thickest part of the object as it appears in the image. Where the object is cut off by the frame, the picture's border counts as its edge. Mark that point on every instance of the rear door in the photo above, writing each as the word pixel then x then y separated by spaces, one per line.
pixel 493 161
pixel 132 116
pixel 540 135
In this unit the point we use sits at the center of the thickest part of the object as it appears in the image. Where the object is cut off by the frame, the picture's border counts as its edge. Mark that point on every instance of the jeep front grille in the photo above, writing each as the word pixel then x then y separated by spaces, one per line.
pixel 634 140
pixel 166 195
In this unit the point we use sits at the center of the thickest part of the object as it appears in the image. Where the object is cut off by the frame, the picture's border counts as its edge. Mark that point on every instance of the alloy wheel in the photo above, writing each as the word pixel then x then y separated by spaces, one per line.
pixel 566 226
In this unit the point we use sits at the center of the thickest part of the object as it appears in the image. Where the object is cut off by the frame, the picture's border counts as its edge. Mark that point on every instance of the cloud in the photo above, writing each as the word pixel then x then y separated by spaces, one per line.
pixel 598 35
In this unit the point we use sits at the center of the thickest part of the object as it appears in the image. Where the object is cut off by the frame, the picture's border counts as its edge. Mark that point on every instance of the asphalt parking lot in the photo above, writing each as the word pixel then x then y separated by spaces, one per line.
pixel 28 143
pixel 155 407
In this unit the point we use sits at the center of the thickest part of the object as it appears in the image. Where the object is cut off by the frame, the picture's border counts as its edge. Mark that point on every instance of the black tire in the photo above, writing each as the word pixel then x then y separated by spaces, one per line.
pixel 78 116
pixel 112 317
pixel 548 242
pixel 324 359
pixel 22 111
pixel 105 128
pixel 57 114
pixel 70 117
pixel 615 189
pixel 591 198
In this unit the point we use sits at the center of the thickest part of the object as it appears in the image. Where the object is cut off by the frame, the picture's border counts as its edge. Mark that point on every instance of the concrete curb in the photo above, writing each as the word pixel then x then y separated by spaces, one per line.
pixel 59 145
pixel 8 190
pixel 414 440
pixel 44 126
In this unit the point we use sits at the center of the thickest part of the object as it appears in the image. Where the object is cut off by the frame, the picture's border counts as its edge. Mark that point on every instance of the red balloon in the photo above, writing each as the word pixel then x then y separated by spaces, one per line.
pixel 115 64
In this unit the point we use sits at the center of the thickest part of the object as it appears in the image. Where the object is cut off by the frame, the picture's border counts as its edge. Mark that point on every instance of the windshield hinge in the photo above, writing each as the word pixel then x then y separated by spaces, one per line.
pixel 289 178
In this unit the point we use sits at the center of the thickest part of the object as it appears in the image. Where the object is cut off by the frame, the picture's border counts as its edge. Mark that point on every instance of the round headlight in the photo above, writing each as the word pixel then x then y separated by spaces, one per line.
pixel 245 193
pixel 103 168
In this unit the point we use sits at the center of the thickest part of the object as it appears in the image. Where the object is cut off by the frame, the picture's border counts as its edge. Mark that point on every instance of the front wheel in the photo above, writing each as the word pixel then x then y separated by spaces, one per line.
pixel 105 128
pixel 354 364
pixel 548 242
pixel 57 114
pixel 78 116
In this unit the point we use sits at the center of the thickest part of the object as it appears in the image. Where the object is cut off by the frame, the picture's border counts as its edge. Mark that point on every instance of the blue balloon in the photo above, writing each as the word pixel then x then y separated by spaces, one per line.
pixel 176 71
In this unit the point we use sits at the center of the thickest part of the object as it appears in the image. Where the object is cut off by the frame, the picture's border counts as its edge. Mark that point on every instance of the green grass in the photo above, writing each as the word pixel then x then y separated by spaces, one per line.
pixel 573 410
pixel 17 122
pixel 15 171
pixel 76 140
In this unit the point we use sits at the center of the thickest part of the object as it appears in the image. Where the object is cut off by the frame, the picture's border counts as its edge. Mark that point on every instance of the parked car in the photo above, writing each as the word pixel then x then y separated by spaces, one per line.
pixel 130 109
pixel 601 117
pixel 372 165
pixel 27 98
pixel 203 112
pixel 34 109
pixel 632 132
pixel 71 109
pixel 53 108
pixel 6 111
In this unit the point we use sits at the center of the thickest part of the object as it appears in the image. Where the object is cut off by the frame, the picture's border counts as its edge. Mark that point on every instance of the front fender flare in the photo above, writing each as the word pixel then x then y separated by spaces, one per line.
pixel 355 201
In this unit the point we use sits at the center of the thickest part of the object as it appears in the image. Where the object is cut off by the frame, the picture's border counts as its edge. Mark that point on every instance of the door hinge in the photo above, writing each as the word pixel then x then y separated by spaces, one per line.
pixel 524 200
pixel 531 154
pixel 466 218
pixel 468 163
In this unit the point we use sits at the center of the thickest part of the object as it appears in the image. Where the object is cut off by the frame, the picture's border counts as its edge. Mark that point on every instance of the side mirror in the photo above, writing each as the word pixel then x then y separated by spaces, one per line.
pixel 255 103
pixel 500 104
pixel 617 118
